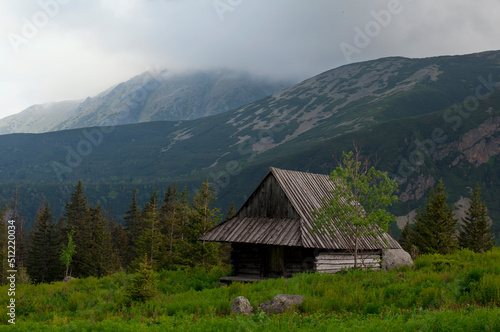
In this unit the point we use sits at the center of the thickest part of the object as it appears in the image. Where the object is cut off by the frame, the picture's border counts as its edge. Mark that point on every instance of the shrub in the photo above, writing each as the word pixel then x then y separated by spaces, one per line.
pixel 430 297
pixel 77 301
pixel 143 286
pixel 372 308
pixel 235 289
pixel 489 289
pixel 471 279
pixel 312 305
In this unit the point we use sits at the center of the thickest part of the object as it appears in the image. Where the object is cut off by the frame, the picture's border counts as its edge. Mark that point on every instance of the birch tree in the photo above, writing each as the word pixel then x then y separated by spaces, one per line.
pixel 356 207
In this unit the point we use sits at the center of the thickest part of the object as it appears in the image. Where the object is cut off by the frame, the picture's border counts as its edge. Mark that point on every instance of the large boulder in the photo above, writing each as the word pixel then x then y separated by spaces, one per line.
pixel 241 305
pixel 392 258
pixel 281 303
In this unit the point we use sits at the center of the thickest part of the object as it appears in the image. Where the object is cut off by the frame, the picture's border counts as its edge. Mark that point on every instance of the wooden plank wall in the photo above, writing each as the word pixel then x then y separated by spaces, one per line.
pixel 268 201
pixel 335 261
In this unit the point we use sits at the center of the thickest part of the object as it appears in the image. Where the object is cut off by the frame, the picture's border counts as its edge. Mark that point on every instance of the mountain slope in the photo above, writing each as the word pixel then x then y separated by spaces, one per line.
pixel 38 118
pixel 409 114
pixel 151 96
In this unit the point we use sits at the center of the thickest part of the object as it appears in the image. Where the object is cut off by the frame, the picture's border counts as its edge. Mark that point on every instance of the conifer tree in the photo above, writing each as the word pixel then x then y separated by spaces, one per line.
pixel 405 240
pixel 150 239
pixel 3 245
pixel 184 212
pixel 231 212
pixel 43 259
pixel 170 219
pixel 60 233
pixel 100 252
pixel 133 224
pixel 21 235
pixel 143 286
pixel 77 218
pixel 434 229
pixel 476 232
pixel 120 244
pixel 202 218
pixel 225 248
pixel 181 255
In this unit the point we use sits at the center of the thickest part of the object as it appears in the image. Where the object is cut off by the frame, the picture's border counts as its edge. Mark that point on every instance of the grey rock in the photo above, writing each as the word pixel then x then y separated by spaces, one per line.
pixel 241 305
pixel 392 258
pixel 281 303
pixel 68 278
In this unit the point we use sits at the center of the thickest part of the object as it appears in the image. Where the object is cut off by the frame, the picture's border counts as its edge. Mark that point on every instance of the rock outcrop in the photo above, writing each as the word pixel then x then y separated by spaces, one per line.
pixel 281 303
pixel 68 278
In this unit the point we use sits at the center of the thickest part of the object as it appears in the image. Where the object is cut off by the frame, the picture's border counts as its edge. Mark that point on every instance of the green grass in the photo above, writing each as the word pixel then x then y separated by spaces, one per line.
pixel 458 292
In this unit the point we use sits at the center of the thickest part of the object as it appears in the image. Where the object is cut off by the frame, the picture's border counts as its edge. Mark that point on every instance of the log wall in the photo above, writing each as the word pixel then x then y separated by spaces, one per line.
pixel 252 261
pixel 335 261
pixel 246 260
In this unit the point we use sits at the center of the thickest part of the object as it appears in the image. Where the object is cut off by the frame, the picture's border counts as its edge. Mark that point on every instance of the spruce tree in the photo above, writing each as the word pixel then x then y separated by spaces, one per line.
pixel 4 263
pixel 231 212
pixel 476 232
pixel 202 218
pixel 184 212
pixel 43 259
pixel 143 286
pixel 102 260
pixel 405 240
pixel 434 229
pixel 181 255
pixel 21 235
pixel 77 218
pixel 225 248
pixel 120 244
pixel 133 224
pixel 150 239
pixel 170 220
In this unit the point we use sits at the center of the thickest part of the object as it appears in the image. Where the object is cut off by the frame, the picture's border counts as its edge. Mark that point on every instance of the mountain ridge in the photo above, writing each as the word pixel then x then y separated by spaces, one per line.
pixel 150 96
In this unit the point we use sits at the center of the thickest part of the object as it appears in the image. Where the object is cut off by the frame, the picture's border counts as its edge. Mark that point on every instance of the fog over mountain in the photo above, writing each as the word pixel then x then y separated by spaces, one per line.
pixel 150 96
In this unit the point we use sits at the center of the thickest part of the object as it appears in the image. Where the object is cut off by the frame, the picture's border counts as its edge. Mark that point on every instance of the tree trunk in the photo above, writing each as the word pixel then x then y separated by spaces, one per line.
pixel 172 232
pixel 152 239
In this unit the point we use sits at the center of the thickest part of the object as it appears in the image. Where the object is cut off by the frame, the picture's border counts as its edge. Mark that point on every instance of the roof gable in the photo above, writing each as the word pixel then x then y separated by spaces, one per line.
pixel 268 200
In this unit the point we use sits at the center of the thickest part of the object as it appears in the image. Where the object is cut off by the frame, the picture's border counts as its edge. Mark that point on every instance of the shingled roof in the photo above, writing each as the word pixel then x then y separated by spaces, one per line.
pixel 305 193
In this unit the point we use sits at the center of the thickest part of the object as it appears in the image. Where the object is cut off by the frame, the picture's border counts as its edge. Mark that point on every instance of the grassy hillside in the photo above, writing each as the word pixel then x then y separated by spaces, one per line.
pixel 458 292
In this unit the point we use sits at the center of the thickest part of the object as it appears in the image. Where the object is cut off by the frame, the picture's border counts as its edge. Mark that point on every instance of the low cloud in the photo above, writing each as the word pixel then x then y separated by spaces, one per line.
pixel 87 46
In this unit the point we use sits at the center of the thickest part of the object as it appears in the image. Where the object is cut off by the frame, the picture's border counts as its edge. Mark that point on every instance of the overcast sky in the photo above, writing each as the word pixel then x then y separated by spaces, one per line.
pixel 54 50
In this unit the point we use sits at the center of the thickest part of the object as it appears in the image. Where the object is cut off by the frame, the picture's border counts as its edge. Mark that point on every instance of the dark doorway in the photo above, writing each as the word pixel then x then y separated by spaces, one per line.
pixel 274 264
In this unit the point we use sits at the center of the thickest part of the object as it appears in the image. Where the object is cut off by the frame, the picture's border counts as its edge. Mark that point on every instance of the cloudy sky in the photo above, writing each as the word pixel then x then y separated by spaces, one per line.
pixel 52 50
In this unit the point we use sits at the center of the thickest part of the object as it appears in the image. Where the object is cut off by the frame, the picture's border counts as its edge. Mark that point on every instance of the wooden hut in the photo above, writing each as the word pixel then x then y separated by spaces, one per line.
pixel 272 233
